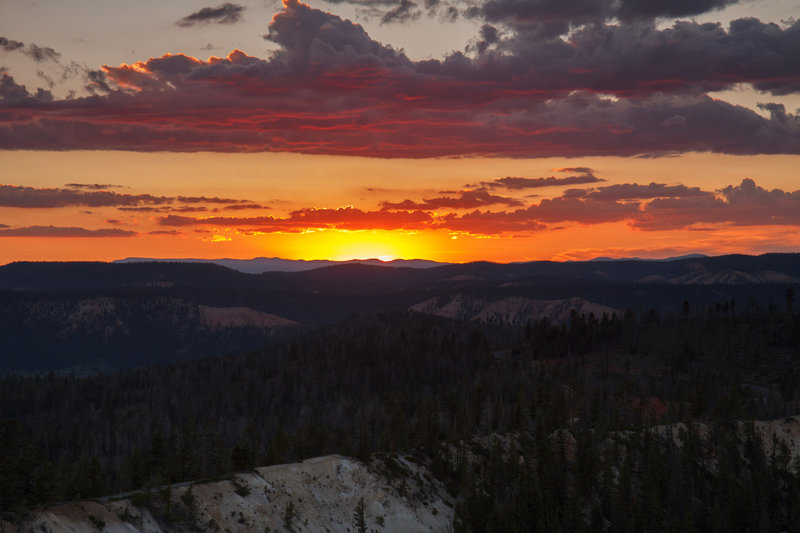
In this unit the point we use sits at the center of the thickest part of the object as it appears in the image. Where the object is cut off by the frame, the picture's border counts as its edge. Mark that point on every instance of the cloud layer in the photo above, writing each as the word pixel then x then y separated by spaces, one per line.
pixel 476 211
pixel 606 88
pixel 655 206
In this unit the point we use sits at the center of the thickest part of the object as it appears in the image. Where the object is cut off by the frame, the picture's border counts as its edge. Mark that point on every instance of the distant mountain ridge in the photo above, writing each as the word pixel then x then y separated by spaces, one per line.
pixel 116 315
pixel 259 265
pixel 604 259
pixel 375 276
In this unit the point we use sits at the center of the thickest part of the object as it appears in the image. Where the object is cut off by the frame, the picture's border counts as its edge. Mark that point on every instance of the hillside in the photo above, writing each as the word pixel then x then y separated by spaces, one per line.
pixel 95 317
pixel 317 495
pixel 87 333
pixel 356 277
pixel 512 311
pixel 399 493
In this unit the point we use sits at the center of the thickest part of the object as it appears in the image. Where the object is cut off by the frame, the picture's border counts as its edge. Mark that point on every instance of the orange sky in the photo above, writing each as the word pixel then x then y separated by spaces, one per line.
pixel 283 183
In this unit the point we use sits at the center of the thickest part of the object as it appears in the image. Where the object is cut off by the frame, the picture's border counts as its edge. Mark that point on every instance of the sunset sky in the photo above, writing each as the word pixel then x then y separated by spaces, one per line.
pixel 452 130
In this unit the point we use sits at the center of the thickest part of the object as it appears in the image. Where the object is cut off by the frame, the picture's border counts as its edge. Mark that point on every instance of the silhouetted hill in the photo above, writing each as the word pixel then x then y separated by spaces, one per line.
pixel 259 265
pixel 39 301
pixel 97 275
pixel 724 270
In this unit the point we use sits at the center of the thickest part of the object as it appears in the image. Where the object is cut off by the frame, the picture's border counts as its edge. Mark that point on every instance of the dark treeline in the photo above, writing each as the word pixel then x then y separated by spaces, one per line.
pixel 408 382
pixel 585 480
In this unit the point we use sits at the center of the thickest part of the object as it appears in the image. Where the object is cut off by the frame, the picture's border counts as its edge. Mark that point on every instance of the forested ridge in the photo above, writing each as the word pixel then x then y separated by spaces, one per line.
pixel 399 381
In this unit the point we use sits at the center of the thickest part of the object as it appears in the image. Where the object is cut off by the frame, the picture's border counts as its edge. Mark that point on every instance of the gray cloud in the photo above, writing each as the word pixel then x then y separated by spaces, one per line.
pixel 634 191
pixel 41 53
pixel 549 18
pixel 404 12
pixel 34 51
pixel 226 13
pixel 9 45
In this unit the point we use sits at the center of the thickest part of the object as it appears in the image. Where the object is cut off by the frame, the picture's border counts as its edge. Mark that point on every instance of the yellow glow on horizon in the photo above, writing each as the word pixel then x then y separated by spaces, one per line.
pixel 343 245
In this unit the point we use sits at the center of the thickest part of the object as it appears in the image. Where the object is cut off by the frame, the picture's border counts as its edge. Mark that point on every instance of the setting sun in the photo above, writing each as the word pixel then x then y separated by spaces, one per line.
pixel 342 245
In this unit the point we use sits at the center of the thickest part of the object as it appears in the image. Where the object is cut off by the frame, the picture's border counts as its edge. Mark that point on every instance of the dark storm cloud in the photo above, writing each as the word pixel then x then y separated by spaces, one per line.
pixel 554 17
pixel 668 8
pixel 640 58
pixel 331 89
pixel 11 90
pixel 226 13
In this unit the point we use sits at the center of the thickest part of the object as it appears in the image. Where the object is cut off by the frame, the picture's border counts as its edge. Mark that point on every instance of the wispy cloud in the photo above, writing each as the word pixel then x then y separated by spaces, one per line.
pixel 95 195
pixel 64 232
pixel 226 13
pixel 469 199
pixel 651 207
pixel 516 183
pixel 93 186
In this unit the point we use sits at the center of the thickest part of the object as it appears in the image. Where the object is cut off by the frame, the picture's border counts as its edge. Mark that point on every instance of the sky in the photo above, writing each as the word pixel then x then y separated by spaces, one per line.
pixel 452 130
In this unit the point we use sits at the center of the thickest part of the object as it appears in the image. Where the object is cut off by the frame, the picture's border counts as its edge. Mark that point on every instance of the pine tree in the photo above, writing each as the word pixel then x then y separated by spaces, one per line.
pixel 288 516
pixel 359 517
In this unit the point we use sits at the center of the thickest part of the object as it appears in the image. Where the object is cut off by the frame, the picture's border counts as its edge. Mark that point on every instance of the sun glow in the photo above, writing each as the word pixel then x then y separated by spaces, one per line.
pixel 343 245
pixel 366 245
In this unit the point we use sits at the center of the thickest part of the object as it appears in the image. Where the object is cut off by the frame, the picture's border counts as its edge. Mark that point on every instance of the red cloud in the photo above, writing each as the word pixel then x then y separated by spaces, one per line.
pixel 31 197
pixel 331 89
pixel 311 218
pixel 646 207
pixel 516 183
pixel 61 232
pixel 469 199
